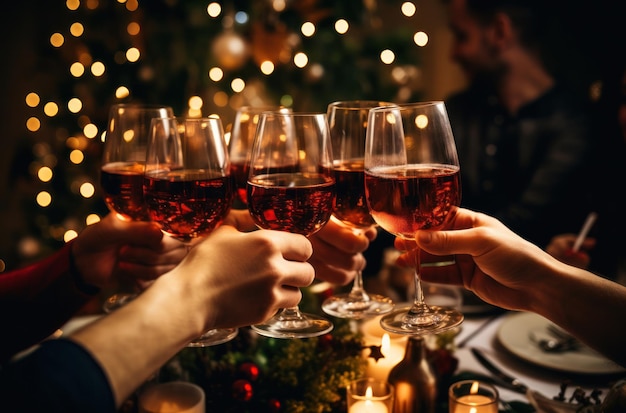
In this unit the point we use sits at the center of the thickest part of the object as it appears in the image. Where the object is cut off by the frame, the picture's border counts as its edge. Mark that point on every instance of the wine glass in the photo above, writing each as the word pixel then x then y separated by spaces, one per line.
pixel 187 186
pixel 241 137
pixel 291 187
pixel 412 183
pixel 348 122
pixel 121 175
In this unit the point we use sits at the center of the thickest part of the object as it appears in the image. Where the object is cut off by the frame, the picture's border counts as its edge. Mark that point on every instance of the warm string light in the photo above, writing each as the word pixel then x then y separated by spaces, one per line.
pixel 229 90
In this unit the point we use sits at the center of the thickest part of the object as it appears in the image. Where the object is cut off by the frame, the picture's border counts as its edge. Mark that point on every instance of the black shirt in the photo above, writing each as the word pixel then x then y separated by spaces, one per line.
pixel 529 169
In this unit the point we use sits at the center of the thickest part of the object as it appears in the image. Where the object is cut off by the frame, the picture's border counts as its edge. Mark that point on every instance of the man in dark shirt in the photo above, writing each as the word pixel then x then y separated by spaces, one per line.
pixel 523 139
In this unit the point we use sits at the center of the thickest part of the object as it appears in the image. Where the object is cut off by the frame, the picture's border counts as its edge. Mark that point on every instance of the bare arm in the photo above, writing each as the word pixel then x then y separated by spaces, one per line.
pixel 505 270
pixel 214 286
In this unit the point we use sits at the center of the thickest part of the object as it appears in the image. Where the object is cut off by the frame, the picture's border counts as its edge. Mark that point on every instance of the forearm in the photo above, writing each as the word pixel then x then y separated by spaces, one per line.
pixel 133 342
pixel 590 307
pixel 45 295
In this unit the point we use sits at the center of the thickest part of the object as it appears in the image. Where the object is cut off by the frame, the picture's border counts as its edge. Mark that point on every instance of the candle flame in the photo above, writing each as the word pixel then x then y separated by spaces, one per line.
pixel 474 388
pixel 369 393
pixel 385 344
pixel 473 410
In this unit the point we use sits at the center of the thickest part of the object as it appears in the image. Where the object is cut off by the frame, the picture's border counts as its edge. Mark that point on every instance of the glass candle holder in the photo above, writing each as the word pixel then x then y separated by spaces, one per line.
pixel 370 395
pixel 472 396
pixel 172 397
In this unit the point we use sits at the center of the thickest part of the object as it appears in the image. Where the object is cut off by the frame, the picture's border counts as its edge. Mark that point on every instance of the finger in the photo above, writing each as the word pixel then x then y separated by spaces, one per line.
pixel 332 274
pixel 241 220
pixel 296 274
pixel 338 236
pixel 294 247
pixel 449 274
pixel 324 253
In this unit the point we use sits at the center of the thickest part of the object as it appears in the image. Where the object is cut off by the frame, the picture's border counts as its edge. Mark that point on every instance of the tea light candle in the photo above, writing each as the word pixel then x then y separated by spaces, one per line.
pixel 172 397
pixel 473 397
pixel 368 406
pixel 393 353
pixel 369 395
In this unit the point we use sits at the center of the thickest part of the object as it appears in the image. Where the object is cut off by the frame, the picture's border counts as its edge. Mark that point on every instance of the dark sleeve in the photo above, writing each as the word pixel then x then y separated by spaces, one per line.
pixel 59 376
pixel 38 299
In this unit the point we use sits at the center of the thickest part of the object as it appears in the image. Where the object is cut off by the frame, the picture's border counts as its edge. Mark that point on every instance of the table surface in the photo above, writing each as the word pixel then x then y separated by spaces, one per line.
pixel 545 381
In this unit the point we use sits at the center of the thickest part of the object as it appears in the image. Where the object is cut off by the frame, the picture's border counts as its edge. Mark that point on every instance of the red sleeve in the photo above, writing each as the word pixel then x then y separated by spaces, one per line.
pixel 36 300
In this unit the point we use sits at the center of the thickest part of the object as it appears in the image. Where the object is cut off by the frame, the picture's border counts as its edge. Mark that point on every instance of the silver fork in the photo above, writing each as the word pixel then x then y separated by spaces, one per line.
pixel 560 342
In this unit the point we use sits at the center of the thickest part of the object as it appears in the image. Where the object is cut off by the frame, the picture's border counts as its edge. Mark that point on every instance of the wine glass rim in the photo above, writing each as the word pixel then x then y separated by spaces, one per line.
pixel 404 106
pixel 294 114
pixel 359 104
pixel 140 105
pixel 213 118
pixel 262 108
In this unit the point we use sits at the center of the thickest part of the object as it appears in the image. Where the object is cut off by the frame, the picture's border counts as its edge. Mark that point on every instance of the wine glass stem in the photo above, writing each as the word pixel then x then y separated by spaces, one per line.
pixel 358 292
pixel 418 299
pixel 291 313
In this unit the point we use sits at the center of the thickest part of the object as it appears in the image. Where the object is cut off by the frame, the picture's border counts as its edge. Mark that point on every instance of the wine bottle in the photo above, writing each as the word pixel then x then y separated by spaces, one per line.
pixel 414 380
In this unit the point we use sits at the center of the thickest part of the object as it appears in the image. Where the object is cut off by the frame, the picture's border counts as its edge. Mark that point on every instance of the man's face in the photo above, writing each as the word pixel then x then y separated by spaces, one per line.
pixel 472 48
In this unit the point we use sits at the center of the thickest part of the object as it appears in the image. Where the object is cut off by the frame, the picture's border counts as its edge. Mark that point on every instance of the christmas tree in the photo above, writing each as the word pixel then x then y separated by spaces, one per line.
pixel 199 57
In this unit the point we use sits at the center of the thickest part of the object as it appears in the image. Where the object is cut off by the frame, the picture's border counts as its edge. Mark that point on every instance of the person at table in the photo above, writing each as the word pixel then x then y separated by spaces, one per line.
pixel 602 251
pixel 505 270
pixel 39 298
pixel 48 293
pixel 215 285
pixel 522 134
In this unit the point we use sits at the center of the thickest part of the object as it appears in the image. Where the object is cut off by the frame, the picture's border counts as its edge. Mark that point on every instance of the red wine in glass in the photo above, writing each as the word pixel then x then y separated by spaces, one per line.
pixel 351 206
pixel 404 199
pixel 297 203
pixel 122 184
pixel 348 126
pixel 239 172
pixel 187 204
pixel 291 187
pixel 412 183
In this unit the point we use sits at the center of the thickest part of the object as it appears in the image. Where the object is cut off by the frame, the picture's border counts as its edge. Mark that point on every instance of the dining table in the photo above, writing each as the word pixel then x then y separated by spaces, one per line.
pixel 509 342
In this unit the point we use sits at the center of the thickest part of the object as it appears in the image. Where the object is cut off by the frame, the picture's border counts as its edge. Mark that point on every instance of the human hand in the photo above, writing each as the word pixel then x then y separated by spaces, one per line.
pixel 113 250
pixel 560 247
pixel 498 265
pixel 337 252
pixel 244 278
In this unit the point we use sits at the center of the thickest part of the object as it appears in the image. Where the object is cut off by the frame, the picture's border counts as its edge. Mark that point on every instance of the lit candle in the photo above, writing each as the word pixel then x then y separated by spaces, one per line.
pixel 368 405
pixel 393 353
pixel 473 402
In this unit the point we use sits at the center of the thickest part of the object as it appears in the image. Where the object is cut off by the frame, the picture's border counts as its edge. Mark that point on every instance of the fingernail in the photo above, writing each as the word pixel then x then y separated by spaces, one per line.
pixel 424 237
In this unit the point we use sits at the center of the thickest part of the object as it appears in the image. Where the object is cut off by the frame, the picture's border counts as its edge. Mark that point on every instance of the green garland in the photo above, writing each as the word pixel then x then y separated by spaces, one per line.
pixel 258 374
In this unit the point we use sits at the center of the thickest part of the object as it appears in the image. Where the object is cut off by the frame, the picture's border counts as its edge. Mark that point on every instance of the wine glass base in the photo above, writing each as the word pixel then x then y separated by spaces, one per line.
pixel 437 320
pixel 117 301
pixel 304 326
pixel 347 306
pixel 214 337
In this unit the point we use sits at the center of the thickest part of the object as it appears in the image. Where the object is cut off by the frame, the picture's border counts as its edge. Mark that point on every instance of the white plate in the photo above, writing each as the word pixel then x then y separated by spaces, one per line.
pixel 515 334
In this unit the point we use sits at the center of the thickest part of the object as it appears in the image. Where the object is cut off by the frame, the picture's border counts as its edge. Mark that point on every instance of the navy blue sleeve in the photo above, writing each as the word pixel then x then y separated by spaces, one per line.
pixel 59 376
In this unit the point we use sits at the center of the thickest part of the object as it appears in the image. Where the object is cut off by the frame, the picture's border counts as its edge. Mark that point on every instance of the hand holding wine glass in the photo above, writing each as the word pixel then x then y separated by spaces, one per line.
pixel 123 161
pixel 412 183
pixel 291 188
pixel 187 185
pixel 348 123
